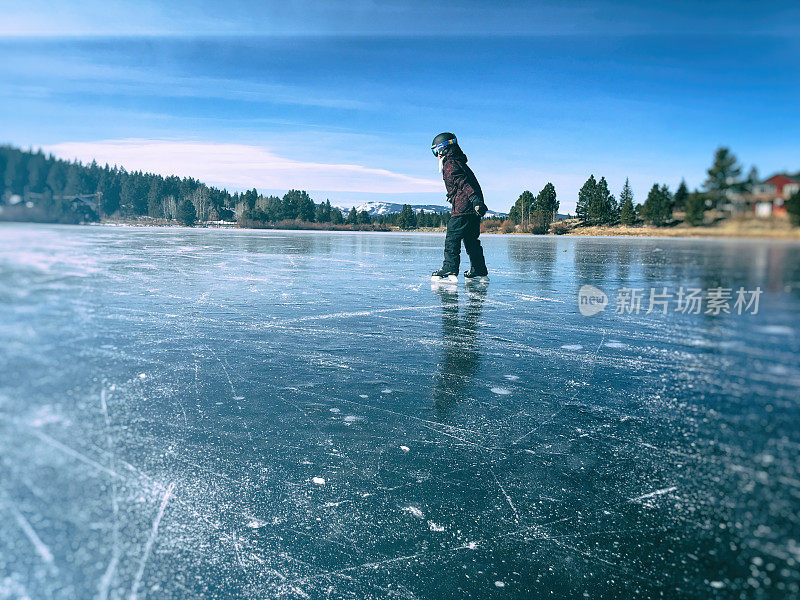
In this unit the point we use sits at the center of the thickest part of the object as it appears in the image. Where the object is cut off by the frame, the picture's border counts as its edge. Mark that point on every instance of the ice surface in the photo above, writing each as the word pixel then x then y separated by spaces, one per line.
pixel 171 401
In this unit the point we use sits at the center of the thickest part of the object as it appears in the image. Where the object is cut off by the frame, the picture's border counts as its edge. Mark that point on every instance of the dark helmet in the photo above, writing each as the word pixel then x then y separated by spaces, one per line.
pixel 442 141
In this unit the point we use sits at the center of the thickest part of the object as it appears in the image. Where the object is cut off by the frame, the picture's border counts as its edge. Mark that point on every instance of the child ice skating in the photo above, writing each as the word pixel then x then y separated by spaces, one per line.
pixel 465 195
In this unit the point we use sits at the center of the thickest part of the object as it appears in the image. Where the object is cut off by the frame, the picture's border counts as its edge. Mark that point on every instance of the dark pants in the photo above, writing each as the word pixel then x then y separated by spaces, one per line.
pixel 466 228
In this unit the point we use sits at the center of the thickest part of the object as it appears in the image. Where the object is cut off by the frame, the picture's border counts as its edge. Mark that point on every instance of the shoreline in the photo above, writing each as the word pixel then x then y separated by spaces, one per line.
pixel 726 230
pixel 731 230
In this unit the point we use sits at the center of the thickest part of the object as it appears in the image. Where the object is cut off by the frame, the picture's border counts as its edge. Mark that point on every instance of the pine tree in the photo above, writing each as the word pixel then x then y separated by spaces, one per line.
pixel 154 208
pixel 186 213
pixel 326 212
pixel 319 213
pixel 585 196
pixel 600 210
pixel 668 203
pixel 250 197
pixel 108 187
pixel 74 182
pixel 723 175
pixel 614 210
pixel 297 204
pixel 336 216
pixel 140 195
pixel 363 218
pixel 522 208
pixel 681 194
pixel 657 208
pixel 305 208
pixel 16 172
pixel 547 203
pixel 56 178
pixel 352 216
pixel 126 195
pixel 753 179
pixel 627 215
pixel 695 208
pixel 407 219
pixel 37 172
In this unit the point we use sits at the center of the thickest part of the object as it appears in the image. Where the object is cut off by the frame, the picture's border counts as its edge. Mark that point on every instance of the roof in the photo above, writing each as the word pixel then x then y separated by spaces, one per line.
pixel 782 178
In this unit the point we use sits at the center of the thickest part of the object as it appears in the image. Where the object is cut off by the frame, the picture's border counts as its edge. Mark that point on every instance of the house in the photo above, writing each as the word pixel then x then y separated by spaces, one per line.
pixel 768 197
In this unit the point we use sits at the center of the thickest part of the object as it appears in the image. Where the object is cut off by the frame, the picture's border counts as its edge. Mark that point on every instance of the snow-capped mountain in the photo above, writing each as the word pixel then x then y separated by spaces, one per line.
pixel 377 209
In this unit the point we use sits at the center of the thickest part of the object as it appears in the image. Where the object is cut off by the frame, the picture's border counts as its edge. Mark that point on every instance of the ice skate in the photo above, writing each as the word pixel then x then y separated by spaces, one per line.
pixel 473 276
pixel 444 276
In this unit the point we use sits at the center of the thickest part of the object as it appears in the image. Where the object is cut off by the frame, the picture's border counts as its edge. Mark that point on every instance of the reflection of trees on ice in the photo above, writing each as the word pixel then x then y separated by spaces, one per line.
pixel 461 355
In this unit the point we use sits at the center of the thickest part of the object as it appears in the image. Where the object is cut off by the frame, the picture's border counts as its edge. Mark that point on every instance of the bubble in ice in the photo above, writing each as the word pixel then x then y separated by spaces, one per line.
pixel 405 448
pixel 256 524
pixel 500 391
pixel 500 584
pixel 415 512
pixel 318 480
pixel 142 375
pixel 434 527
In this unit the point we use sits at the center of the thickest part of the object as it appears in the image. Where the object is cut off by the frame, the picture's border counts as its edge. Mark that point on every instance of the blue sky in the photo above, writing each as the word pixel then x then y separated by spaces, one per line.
pixel 343 99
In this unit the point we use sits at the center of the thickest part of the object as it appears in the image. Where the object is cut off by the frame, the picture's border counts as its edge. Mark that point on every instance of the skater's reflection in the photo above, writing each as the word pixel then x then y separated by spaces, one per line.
pixel 460 355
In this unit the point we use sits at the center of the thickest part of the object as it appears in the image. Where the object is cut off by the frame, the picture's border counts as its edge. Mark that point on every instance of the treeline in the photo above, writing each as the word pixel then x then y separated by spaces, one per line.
pixel 598 206
pixel 46 185
pixel 724 183
pixel 39 187
pixel 297 205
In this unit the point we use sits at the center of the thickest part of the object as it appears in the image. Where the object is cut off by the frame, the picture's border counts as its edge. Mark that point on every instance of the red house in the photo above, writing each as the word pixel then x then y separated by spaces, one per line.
pixel 769 196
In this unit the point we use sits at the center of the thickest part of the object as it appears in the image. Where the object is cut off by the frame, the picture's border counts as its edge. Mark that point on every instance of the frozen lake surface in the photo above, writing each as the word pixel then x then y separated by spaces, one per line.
pixel 252 414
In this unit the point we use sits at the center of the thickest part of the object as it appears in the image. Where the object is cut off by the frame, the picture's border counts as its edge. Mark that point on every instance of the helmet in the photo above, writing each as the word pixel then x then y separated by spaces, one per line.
pixel 441 141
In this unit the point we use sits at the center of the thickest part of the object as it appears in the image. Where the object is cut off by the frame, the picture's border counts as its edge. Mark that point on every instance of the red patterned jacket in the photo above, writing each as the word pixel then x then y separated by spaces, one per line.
pixel 460 182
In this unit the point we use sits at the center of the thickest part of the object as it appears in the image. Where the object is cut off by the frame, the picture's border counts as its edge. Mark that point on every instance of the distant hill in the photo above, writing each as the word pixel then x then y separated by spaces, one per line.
pixel 378 209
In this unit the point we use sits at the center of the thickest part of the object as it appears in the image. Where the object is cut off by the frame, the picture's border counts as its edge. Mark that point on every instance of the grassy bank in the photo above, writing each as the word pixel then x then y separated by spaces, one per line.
pixel 773 228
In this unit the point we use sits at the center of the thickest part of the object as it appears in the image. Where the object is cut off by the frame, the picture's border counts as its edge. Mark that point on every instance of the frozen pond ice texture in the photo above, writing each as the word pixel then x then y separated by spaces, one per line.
pixel 265 414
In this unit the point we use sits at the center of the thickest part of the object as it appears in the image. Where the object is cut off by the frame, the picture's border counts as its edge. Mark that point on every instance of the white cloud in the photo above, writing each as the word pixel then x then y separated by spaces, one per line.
pixel 238 166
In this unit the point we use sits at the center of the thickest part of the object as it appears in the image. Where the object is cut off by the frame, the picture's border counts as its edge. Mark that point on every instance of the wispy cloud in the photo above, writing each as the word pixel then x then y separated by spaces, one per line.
pixel 26 72
pixel 238 166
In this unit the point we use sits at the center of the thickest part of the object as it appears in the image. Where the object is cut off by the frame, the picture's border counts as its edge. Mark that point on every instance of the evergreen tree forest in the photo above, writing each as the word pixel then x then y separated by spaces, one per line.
pixel 39 187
